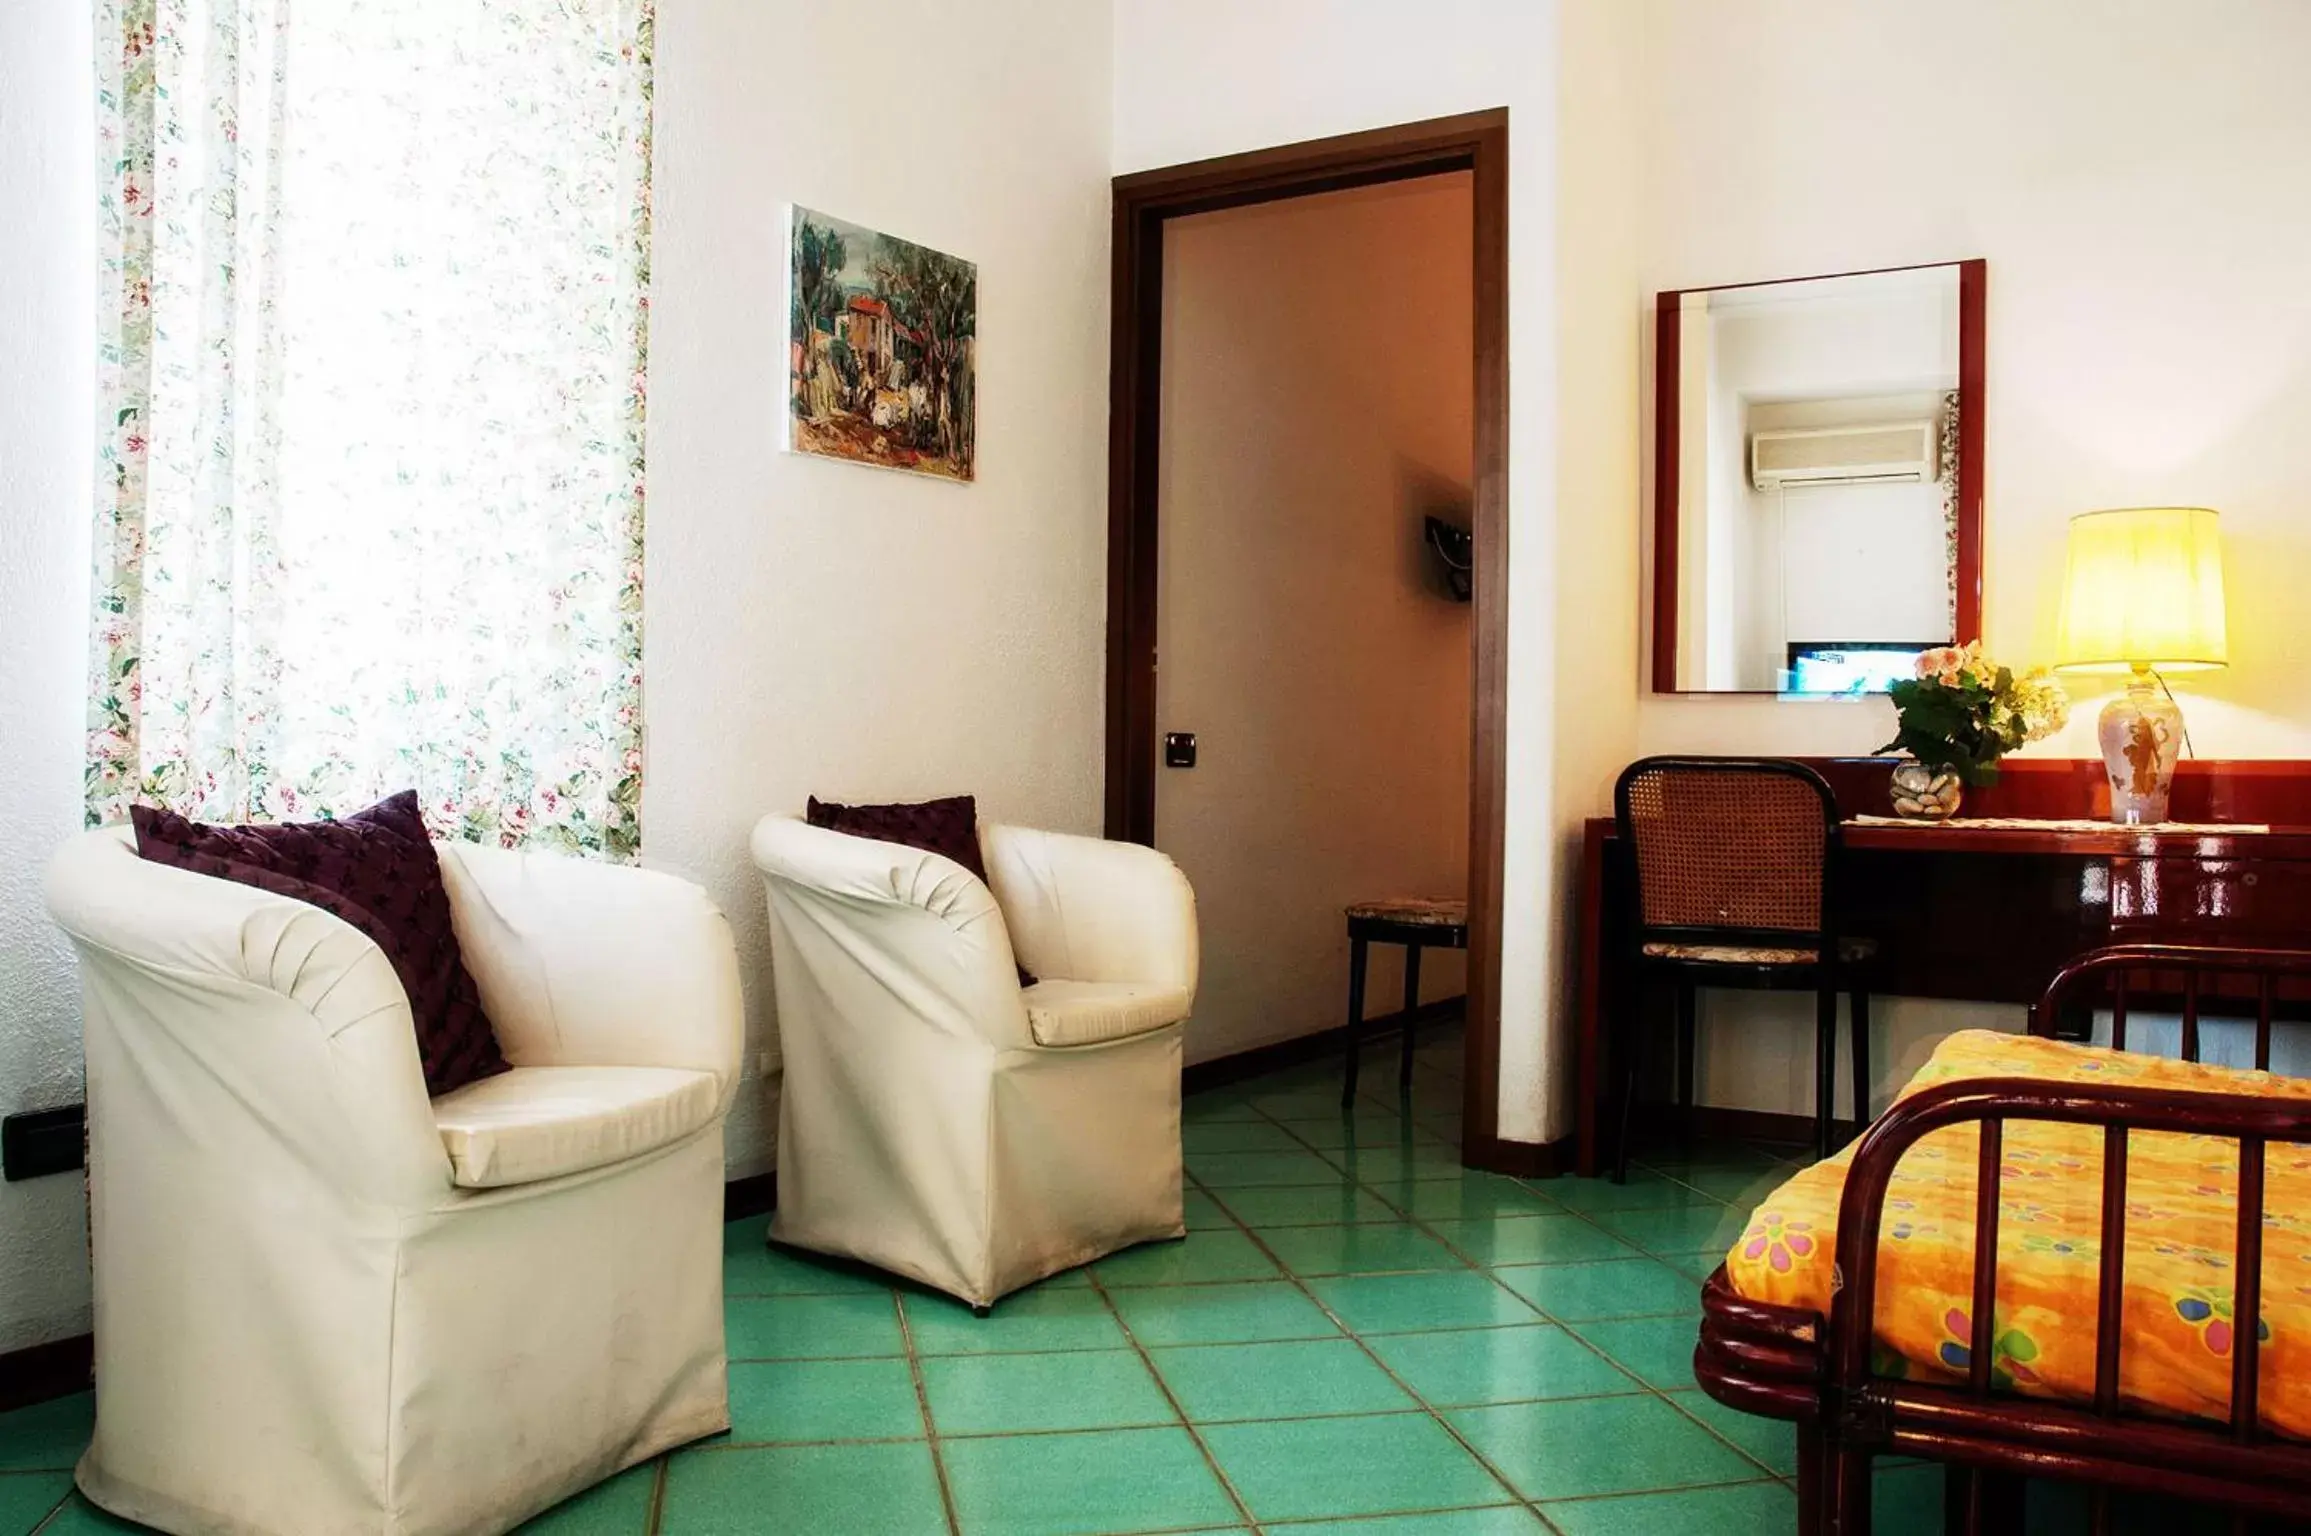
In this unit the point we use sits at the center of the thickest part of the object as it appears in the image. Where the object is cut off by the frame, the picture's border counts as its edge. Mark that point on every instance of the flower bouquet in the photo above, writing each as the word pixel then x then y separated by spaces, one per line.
pixel 1957 717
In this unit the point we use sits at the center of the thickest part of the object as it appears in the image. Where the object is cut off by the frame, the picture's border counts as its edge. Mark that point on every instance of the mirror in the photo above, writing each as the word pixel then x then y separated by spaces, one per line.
pixel 1817 480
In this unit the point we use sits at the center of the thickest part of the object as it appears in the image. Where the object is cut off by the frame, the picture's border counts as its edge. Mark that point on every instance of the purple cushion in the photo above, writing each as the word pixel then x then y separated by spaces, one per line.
pixel 949 827
pixel 377 870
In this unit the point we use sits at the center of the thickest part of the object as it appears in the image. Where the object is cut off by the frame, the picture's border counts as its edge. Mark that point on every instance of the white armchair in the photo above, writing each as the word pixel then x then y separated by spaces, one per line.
pixel 940 1122
pixel 326 1304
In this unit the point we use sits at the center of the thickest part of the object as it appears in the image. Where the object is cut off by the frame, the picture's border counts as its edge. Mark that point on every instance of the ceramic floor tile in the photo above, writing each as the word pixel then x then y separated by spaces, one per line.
pixel 1307 1205
pixel 619 1507
pixel 1719 1154
pixel 823 1400
pixel 1204 1214
pixel 1446 1125
pixel 1645 1191
pixel 1216 1383
pixel 1219 1104
pixel 1200 1137
pixel 1771 1443
pixel 1121 1481
pixel 1008 1394
pixel 1226 1170
pixel 1499 1365
pixel 1200 1256
pixel 799 1327
pixel 1305 1468
pixel 27 1497
pixel 888 1489
pixel 1741 1186
pixel 1753 1509
pixel 1411 1303
pixel 1396 1161
pixel 750 1267
pixel 1580 1293
pixel 1364 1126
pixel 1697 1265
pixel 1539 1239
pixel 1031 1321
pixel 1499 1520
pixel 77 1517
pixel 1222 1314
pixel 1312 1101
pixel 1358 1250
pixel 1574 1449
pixel 1465 1196
pixel 47 1437
pixel 1676 1230
pixel 1656 1350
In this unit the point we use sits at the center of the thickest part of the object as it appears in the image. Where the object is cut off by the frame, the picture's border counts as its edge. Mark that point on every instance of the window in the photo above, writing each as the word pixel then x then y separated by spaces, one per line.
pixel 370 506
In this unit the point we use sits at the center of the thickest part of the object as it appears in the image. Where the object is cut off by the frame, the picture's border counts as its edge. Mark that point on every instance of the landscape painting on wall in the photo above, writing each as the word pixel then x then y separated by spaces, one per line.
pixel 882 335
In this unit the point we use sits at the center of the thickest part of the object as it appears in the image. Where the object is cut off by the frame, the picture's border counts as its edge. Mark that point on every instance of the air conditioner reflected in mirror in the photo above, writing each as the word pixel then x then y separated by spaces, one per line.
pixel 1811 500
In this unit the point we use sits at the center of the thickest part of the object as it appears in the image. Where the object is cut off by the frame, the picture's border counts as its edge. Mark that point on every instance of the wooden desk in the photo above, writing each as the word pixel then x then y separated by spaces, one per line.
pixel 1989 915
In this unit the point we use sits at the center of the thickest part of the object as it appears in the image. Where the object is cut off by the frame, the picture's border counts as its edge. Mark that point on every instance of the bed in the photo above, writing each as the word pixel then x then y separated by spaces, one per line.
pixel 2114 1190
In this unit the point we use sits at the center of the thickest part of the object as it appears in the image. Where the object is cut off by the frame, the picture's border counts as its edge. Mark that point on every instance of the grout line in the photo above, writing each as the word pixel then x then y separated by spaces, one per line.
pixel 930 1429
pixel 656 1515
pixel 1373 1517
pixel 1147 1363
pixel 49 1519
pixel 727 1443
pixel 1435 1415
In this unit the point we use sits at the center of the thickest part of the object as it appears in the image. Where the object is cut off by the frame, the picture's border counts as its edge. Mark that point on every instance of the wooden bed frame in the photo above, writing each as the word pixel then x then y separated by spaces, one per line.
pixel 1792 1363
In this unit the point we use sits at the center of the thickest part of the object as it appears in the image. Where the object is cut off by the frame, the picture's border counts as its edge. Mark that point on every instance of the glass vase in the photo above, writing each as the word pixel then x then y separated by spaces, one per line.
pixel 1926 794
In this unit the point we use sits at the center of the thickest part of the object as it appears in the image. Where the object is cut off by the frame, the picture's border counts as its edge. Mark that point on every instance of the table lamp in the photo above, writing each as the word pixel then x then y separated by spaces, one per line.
pixel 2143 593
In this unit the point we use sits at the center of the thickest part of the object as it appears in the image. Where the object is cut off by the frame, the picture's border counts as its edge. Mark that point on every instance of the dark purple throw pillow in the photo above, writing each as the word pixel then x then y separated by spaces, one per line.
pixel 949 826
pixel 377 870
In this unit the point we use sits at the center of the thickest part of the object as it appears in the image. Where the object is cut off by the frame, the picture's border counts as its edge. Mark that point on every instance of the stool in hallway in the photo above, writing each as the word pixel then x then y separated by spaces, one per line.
pixel 1415 923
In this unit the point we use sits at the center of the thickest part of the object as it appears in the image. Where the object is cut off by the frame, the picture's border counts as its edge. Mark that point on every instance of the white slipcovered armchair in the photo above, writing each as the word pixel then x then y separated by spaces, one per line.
pixel 937 1120
pixel 326 1304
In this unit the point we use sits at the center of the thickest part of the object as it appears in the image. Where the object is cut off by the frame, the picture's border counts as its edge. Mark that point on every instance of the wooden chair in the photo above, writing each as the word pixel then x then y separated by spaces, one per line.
pixel 1734 864
pixel 1417 923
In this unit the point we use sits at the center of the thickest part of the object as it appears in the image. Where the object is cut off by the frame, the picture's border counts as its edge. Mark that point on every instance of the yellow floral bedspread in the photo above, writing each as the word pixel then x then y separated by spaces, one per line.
pixel 2181 1230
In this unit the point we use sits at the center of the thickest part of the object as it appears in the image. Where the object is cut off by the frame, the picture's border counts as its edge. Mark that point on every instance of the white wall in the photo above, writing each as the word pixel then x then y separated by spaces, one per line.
pixel 822 628
pixel 47 448
pixel 1316 407
pixel 2138 181
pixel 811 626
pixel 1198 78
pixel 1600 312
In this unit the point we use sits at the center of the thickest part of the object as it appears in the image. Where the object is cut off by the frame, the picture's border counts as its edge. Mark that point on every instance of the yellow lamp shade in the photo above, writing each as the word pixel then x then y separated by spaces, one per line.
pixel 2144 589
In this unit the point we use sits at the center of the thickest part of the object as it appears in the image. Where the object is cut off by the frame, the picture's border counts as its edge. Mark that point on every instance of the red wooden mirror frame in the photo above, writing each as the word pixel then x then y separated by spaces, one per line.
pixel 1973 291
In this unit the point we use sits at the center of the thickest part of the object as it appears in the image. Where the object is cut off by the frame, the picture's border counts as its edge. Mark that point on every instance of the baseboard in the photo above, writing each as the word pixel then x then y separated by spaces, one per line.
pixel 39 1372
pixel 1300 1049
pixel 1717 1122
pixel 62 1367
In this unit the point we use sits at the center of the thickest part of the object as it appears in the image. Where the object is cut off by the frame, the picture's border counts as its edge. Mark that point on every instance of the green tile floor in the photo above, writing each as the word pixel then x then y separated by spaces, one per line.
pixel 1355 1339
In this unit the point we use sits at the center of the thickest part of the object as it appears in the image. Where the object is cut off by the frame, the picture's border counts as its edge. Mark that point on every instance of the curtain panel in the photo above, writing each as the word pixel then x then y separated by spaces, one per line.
pixel 373 321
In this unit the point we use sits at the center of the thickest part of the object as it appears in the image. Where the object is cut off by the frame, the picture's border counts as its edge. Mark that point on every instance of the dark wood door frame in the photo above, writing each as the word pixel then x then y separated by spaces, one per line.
pixel 1478 143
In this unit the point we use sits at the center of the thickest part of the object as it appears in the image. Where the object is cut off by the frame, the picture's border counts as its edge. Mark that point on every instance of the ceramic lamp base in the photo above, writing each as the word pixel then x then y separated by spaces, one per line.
pixel 2141 734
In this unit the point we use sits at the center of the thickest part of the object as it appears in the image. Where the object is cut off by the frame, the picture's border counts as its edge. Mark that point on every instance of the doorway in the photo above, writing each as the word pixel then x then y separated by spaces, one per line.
pixel 1464 152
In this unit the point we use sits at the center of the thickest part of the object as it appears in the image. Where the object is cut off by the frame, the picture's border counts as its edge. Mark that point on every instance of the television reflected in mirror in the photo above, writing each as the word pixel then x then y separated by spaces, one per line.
pixel 1818 473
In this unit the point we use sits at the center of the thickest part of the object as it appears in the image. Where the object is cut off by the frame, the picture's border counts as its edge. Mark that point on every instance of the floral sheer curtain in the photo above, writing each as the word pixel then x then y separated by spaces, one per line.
pixel 370 502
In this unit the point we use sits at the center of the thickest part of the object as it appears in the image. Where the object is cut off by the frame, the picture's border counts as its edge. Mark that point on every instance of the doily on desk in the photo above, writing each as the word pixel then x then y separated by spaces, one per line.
pixel 2065 824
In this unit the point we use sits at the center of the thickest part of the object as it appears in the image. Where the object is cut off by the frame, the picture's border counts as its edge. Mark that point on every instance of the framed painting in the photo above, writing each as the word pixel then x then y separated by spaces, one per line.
pixel 881 344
